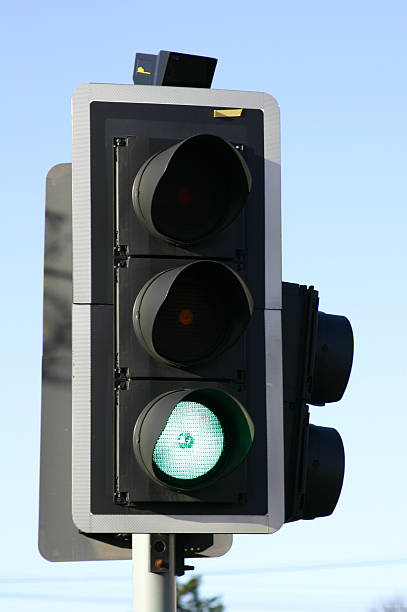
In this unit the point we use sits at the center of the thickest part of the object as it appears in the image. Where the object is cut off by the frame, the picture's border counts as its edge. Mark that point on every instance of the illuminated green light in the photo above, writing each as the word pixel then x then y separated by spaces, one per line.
pixel 191 442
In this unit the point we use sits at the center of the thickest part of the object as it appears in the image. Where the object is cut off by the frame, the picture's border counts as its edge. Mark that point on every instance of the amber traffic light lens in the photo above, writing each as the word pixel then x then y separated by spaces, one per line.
pixel 192 313
pixel 185 316
pixel 200 314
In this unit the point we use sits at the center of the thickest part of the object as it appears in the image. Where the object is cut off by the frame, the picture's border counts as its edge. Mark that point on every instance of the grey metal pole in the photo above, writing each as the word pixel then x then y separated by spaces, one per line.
pixel 152 592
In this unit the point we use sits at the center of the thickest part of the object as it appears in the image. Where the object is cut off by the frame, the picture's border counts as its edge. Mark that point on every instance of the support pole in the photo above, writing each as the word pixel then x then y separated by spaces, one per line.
pixel 153 592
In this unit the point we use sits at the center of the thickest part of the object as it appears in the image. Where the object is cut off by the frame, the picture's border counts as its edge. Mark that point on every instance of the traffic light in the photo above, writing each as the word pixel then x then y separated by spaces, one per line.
pixel 177 365
pixel 317 361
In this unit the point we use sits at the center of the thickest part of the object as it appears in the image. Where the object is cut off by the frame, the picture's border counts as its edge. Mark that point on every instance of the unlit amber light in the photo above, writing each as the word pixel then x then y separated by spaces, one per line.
pixel 185 316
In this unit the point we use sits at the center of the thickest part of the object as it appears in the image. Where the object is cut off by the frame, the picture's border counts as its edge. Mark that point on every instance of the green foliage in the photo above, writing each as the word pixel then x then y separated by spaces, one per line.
pixel 189 600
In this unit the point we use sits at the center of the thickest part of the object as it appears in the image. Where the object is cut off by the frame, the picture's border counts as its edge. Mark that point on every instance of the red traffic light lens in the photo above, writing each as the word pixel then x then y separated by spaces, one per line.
pixel 191 190
pixel 184 195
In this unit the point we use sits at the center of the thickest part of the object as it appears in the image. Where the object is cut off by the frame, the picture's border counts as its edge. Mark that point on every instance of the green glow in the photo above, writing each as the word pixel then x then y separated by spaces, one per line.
pixel 191 442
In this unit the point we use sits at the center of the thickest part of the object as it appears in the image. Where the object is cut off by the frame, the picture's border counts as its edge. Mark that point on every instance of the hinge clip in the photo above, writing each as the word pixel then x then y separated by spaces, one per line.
pixel 121 256
pixel 121 379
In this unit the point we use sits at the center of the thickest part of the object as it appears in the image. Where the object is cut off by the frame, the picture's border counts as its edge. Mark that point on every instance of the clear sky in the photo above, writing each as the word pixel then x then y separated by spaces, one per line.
pixel 338 70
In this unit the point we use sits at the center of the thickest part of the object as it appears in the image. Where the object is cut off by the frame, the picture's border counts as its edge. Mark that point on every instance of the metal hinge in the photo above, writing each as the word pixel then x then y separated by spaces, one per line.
pixel 121 379
pixel 120 142
pixel 121 256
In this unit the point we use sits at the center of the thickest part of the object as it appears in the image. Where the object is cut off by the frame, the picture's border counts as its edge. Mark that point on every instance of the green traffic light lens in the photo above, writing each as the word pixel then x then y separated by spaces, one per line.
pixel 188 439
pixel 191 442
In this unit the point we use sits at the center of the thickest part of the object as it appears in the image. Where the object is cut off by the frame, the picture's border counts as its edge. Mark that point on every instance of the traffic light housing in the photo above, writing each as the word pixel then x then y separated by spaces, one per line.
pixel 177 371
pixel 317 361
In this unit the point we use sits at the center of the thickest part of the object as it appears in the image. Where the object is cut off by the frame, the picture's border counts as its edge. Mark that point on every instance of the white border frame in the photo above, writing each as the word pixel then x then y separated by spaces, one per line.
pixel 81 313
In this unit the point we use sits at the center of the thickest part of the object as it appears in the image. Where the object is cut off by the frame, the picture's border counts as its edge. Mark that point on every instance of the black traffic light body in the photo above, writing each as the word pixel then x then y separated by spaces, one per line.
pixel 177 382
pixel 317 360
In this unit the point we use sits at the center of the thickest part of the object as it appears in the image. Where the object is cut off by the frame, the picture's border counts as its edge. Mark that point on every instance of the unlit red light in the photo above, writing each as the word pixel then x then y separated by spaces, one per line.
pixel 185 195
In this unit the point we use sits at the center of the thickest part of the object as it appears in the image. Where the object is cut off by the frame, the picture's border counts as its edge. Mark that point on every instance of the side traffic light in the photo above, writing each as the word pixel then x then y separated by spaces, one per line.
pixel 317 361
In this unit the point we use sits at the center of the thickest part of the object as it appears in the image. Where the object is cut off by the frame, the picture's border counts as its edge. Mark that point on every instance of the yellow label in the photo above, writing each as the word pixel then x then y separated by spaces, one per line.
pixel 228 112
pixel 141 69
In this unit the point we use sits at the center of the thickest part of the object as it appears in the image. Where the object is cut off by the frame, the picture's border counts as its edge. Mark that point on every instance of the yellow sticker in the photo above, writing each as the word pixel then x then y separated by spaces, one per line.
pixel 141 69
pixel 228 112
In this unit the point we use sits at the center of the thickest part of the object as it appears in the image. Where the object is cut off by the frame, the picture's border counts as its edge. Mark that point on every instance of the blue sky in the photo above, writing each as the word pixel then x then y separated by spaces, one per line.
pixel 338 71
